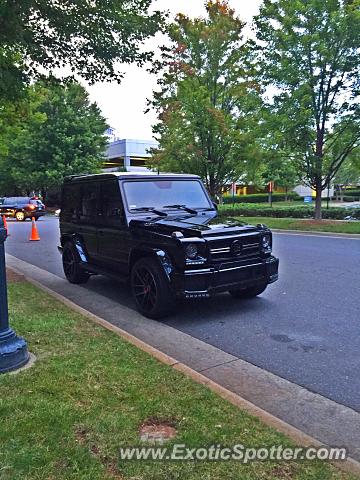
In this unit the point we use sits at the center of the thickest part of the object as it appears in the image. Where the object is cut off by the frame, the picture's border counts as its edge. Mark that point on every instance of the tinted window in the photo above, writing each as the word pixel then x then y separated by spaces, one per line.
pixel 158 193
pixel 111 210
pixel 70 203
pixel 88 203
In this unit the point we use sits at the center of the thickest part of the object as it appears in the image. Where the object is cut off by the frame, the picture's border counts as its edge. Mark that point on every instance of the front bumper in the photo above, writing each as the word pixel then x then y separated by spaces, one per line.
pixel 208 281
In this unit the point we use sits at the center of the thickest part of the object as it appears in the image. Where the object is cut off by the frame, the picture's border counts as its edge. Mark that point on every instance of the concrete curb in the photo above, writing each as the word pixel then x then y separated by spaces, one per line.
pixel 348 236
pixel 299 437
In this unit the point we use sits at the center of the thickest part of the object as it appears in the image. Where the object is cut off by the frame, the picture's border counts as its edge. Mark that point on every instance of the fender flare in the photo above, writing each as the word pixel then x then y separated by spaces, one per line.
pixel 79 245
pixel 161 256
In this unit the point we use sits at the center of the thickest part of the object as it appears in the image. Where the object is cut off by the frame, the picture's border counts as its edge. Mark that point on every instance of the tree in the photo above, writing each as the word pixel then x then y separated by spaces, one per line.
pixel 89 37
pixel 281 171
pixel 206 103
pixel 309 51
pixel 349 172
pixel 62 134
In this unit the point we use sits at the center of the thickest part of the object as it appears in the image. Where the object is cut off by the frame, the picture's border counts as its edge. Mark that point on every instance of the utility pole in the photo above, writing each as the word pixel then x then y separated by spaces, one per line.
pixel 13 349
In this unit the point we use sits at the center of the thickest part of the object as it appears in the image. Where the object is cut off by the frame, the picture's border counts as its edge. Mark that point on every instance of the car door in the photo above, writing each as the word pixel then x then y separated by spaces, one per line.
pixel 113 233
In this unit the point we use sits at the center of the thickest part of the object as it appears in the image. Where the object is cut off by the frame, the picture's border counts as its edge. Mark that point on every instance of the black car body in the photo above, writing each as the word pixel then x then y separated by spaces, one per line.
pixel 22 208
pixel 158 233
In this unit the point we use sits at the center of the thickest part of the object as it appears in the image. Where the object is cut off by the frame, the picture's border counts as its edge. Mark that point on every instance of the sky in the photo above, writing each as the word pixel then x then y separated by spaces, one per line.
pixel 123 104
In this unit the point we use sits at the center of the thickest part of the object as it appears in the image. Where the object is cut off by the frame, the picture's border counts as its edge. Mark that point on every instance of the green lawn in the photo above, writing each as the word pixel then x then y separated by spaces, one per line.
pixel 89 391
pixel 334 226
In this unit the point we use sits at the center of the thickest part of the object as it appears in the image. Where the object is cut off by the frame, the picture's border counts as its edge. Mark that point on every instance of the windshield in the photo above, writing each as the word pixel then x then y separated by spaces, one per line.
pixel 162 193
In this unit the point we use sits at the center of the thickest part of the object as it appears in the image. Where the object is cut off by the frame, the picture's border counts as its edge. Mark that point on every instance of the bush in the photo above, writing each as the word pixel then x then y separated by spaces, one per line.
pixel 298 211
pixel 354 192
pixel 351 199
pixel 260 198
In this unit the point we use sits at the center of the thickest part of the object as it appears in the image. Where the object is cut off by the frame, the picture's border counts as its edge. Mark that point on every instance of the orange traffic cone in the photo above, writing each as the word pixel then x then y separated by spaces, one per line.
pixel 5 225
pixel 34 232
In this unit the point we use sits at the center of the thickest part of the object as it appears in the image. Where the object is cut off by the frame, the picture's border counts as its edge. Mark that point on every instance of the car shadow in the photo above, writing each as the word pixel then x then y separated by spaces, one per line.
pixel 203 311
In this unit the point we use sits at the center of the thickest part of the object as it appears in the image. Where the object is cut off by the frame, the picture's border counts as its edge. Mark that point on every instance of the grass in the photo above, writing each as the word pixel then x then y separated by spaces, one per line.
pixel 334 226
pixel 89 391
pixel 288 203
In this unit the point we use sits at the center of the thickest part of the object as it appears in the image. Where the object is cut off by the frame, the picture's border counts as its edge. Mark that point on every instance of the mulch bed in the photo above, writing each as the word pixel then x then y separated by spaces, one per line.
pixel 14 277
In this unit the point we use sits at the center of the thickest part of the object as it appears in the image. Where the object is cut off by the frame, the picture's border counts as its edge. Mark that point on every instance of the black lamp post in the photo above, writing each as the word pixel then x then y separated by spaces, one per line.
pixel 13 349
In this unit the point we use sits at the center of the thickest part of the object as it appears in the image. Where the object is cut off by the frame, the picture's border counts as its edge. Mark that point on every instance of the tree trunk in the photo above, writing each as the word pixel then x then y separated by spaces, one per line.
pixel 318 191
pixel 318 171
pixel 286 194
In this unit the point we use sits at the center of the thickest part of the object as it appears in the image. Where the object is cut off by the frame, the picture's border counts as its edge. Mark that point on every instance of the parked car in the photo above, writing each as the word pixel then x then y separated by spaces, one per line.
pixel 157 232
pixel 22 208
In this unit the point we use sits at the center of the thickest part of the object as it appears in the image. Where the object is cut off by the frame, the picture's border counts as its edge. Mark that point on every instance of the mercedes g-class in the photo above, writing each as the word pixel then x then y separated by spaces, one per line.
pixel 158 232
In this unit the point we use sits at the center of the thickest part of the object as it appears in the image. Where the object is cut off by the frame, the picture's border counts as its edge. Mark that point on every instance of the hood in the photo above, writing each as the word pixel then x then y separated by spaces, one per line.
pixel 193 225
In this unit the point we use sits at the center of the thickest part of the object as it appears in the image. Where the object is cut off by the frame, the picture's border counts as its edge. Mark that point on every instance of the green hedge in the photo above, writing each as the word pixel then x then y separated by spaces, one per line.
pixel 351 199
pixel 352 192
pixel 334 213
pixel 260 198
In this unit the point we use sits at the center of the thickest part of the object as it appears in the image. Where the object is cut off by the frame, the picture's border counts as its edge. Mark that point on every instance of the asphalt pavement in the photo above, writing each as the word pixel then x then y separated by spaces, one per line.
pixel 304 328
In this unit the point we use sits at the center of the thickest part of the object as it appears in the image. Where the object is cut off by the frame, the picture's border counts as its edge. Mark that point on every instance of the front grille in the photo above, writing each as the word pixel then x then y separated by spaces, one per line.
pixel 239 246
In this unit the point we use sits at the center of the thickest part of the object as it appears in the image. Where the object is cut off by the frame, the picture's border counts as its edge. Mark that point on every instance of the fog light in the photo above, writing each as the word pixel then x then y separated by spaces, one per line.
pixel 191 251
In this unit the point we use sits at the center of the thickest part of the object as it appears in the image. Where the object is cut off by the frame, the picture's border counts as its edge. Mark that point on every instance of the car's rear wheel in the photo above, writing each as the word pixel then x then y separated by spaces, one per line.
pixel 71 265
pixel 249 292
pixel 20 216
pixel 150 289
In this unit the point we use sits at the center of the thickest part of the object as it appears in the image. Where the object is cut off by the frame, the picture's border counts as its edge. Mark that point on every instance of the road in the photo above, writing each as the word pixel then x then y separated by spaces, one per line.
pixel 304 328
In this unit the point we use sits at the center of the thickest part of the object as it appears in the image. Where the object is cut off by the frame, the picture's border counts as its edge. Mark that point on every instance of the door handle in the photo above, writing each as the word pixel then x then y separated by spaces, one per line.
pixel 101 232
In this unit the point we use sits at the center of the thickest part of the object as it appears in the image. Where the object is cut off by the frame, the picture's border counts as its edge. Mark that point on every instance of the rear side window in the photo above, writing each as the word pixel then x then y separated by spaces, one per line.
pixel 70 203
pixel 88 202
pixel 111 209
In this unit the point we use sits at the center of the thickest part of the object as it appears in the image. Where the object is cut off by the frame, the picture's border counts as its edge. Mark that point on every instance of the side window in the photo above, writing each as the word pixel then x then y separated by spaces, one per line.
pixel 88 203
pixel 111 210
pixel 70 203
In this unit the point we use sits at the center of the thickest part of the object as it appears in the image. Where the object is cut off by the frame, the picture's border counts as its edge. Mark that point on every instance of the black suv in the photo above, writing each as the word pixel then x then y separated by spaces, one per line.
pixel 157 232
pixel 22 208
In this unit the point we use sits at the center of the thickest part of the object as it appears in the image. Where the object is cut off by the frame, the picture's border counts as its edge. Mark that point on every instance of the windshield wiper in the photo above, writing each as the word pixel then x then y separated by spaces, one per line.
pixel 149 209
pixel 182 207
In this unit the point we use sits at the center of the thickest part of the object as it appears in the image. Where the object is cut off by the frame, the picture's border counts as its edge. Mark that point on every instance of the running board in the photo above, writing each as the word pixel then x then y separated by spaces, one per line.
pixel 96 270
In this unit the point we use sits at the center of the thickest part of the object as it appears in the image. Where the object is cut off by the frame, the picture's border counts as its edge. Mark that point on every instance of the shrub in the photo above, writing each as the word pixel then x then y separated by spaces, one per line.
pixel 346 198
pixel 260 198
pixel 355 192
pixel 297 211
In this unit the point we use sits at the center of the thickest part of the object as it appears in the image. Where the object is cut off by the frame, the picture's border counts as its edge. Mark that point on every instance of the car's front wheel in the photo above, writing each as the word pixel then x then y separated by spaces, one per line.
pixel 71 265
pixel 150 289
pixel 20 216
pixel 249 292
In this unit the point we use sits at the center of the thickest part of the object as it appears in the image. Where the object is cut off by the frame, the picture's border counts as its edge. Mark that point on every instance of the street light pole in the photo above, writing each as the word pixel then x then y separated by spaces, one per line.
pixel 13 349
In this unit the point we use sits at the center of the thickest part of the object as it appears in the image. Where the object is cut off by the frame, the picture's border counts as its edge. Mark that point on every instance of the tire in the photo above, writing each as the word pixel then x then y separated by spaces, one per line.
pixel 249 292
pixel 71 265
pixel 37 218
pixel 20 216
pixel 150 289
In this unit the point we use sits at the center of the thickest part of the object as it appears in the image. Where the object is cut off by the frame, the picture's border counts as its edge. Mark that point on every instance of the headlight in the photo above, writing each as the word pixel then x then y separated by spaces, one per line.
pixel 191 251
pixel 266 242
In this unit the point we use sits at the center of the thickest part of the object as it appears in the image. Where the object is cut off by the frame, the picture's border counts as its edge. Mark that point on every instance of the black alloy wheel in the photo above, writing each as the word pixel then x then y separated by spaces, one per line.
pixel 71 265
pixel 249 292
pixel 150 289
